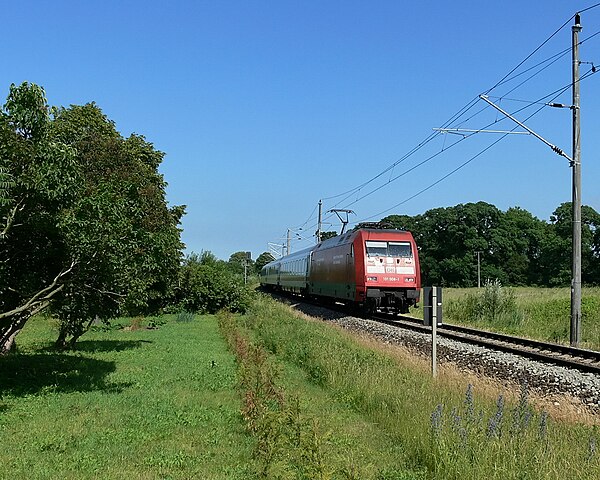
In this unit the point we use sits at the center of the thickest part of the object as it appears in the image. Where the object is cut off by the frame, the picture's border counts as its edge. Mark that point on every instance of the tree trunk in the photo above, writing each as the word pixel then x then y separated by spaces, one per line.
pixel 61 341
pixel 10 331
pixel 9 344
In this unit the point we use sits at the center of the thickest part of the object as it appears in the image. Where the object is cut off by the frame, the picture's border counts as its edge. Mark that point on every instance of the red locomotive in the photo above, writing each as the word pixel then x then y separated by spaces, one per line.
pixel 366 268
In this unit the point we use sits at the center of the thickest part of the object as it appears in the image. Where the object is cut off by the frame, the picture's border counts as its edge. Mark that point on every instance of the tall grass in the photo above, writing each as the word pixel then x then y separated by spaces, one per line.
pixel 289 444
pixel 464 435
pixel 400 401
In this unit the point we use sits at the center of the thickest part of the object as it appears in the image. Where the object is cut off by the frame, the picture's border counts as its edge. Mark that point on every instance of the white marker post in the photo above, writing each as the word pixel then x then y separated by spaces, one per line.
pixel 434 332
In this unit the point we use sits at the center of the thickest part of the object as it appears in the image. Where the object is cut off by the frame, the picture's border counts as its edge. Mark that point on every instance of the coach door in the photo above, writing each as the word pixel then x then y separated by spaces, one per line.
pixel 350 273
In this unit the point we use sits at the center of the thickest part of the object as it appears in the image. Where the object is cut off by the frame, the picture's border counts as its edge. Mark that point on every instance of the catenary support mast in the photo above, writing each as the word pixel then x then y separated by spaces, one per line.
pixel 576 201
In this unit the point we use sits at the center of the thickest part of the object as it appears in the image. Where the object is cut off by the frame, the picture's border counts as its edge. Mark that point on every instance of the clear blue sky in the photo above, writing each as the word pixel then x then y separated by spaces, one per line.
pixel 264 107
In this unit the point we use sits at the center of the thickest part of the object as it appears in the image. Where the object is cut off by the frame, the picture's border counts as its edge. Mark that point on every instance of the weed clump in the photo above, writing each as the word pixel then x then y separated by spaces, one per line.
pixel 493 305
pixel 511 442
pixel 184 316
pixel 287 442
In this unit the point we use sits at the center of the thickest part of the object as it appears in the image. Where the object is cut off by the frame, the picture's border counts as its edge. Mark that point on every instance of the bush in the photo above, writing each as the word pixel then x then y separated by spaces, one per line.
pixel 207 287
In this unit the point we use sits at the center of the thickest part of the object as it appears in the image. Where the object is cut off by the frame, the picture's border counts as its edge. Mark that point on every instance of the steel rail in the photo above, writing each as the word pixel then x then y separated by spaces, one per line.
pixel 577 358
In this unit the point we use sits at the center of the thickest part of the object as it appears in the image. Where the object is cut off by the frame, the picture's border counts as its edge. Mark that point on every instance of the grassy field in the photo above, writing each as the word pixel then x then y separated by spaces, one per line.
pixel 541 313
pixel 127 404
pixel 151 404
pixel 303 401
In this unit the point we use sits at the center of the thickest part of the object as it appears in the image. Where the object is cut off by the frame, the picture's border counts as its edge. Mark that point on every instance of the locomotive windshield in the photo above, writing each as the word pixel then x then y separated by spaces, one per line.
pixel 400 249
pixel 388 249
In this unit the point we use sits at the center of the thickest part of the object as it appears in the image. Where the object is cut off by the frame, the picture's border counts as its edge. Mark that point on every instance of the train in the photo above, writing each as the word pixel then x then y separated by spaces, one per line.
pixel 368 269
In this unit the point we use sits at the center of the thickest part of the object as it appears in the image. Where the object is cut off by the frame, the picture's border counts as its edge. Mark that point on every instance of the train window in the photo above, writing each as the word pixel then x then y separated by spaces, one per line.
pixel 375 249
pixel 400 249
pixel 388 249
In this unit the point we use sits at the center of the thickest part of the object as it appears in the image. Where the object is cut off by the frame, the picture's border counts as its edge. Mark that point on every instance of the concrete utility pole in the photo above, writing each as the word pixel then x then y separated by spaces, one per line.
pixel 288 242
pixel 576 203
pixel 320 221
pixel 478 269
pixel 575 163
pixel 434 321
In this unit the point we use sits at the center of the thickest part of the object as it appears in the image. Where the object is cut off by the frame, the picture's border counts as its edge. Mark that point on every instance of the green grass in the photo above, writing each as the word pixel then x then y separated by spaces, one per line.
pixel 165 404
pixel 138 403
pixel 304 429
pixel 402 402
pixel 127 404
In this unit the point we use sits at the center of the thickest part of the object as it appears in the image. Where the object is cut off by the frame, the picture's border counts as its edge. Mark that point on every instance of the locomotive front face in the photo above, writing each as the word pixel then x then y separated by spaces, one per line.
pixel 391 272
pixel 389 263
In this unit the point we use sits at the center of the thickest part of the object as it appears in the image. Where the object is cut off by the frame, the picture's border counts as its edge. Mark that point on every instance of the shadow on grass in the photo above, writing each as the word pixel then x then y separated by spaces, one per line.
pixel 92 346
pixel 26 374
pixel 98 346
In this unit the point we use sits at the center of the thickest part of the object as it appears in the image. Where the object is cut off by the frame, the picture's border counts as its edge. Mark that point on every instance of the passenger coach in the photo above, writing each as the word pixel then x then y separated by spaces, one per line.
pixel 368 268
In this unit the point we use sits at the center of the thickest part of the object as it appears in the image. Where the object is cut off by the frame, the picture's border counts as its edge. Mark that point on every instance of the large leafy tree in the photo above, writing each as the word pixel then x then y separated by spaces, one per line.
pixel 448 239
pixel 39 179
pixel 240 262
pixel 521 252
pixel 516 247
pixel 262 260
pixel 87 227
pixel 120 224
pixel 556 268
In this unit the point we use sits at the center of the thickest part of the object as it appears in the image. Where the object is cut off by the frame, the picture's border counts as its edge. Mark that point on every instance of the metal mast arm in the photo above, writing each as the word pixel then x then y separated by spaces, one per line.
pixel 554 148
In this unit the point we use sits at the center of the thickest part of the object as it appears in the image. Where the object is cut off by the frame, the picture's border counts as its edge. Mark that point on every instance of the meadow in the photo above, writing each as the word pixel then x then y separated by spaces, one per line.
pixel 269 394
pixel 128 403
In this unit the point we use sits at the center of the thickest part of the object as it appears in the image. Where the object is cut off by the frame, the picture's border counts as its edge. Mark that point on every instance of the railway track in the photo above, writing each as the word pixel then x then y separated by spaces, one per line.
pixel 583 360
pixel 562 355
pixel 549 369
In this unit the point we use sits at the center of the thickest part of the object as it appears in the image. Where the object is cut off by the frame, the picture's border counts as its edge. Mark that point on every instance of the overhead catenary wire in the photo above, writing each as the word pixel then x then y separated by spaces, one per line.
pixel 554 94
pixel 509 77
pixel 554 58
pixel 462 165
pixel 530 55
pixel 560 92
pixel 589 8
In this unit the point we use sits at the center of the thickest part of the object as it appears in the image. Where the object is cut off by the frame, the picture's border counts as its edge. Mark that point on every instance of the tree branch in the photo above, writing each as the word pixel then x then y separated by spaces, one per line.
pixel 41 297
pixel 105 292
pixel 10 219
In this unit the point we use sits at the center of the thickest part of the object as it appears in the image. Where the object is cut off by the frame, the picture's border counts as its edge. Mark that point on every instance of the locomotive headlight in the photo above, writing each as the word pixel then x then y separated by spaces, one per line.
pixel 371 279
